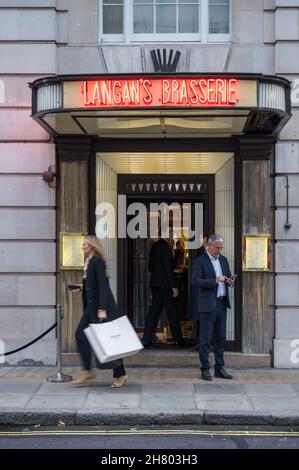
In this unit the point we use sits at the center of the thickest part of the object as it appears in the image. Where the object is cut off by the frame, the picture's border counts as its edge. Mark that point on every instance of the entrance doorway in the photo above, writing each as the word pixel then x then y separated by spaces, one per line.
pixel 129 176
pixel 194 192
pixel 138 250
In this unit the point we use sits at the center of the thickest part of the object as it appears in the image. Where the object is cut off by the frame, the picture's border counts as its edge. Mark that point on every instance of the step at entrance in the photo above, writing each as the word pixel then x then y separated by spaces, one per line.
pixel 180 358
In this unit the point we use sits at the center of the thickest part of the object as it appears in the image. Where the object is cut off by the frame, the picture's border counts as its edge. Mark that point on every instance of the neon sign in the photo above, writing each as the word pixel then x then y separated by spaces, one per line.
pixel 157 92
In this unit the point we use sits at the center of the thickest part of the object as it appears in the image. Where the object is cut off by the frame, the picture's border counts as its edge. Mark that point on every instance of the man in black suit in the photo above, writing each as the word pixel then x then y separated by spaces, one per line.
pixel 211 273
pixel 164 290
pixel 193 294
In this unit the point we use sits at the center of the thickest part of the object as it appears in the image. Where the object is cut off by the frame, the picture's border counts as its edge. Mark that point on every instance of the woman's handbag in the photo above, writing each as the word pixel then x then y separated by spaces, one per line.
pixel 113 340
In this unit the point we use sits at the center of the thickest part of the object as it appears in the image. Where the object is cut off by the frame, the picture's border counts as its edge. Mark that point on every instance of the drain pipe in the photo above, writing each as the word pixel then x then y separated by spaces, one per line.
pixel 287 225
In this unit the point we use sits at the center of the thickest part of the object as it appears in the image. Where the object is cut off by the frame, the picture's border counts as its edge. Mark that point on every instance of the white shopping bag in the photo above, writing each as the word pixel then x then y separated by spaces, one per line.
pixel 113 340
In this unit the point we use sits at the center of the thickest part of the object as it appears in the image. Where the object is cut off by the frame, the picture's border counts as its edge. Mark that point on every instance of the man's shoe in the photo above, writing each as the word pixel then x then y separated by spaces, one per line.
pixel 205 375
pixel 222 374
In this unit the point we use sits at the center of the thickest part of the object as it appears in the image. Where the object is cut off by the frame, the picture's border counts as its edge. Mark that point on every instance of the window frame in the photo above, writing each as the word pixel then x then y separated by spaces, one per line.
pixel 129 37
pixel 215 37
pixel 112 38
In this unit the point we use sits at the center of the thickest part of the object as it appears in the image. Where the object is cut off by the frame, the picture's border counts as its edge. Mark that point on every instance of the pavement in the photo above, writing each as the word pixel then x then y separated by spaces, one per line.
pixel 153 395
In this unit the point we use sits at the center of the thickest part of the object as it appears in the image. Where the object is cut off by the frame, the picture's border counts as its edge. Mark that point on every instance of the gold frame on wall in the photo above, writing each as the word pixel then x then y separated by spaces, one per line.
pixel 256 252
pixel 71 255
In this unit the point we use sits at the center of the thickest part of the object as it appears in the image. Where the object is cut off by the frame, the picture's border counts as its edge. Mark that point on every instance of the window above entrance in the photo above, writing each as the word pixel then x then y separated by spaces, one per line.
pixel 164 20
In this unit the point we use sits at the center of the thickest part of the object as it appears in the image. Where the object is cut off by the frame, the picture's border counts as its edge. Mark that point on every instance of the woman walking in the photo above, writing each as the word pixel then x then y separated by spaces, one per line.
pixel 99 304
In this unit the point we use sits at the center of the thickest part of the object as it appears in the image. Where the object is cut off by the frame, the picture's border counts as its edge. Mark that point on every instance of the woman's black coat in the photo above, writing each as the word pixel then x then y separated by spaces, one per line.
pixel 98 293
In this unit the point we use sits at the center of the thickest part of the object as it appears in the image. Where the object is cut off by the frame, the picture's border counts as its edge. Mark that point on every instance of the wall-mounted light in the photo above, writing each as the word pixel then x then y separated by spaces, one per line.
pixel 49 175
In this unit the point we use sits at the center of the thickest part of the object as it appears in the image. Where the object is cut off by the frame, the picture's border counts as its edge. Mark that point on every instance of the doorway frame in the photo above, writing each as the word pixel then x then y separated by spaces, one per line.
pixel 180 146
pixel 207 197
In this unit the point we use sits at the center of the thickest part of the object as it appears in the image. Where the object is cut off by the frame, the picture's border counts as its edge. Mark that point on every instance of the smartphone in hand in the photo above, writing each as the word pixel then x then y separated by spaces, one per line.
pixel 231 280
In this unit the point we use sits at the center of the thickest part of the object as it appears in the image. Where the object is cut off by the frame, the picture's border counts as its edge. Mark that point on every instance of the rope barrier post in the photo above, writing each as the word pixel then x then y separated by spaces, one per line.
pixel 59 376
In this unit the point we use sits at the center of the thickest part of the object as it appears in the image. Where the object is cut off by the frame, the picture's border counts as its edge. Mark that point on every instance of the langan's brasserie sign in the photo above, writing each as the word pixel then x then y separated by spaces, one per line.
pixel 157 92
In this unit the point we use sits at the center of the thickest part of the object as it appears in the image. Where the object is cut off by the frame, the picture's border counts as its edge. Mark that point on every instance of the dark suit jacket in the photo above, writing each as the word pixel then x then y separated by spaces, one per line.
pixel 204 276
pixel 99 295
pixel 160 265
pixel 193 294
pixel 201 250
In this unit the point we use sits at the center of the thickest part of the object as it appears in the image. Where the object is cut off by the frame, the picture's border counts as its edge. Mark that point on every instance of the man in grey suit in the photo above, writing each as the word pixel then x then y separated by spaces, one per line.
pixel 211 273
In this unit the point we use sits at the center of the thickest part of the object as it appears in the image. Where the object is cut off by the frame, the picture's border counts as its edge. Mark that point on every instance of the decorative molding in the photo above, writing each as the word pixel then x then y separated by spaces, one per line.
pixel 162 63
pixel 255 148
pixel 166 187
pixel 74 148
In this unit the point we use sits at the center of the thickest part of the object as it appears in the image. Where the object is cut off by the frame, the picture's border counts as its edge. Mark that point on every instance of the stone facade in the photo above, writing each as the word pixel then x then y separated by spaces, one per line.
pixel 285 352
pixel 44 37
pixel 28 50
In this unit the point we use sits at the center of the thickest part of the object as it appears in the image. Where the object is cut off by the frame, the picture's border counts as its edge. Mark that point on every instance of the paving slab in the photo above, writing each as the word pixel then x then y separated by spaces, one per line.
pixel 47 388
pixel 283 390
pixel 56 402
pixel 222 389
pixel 168 389
pixel 14 400
pixel 162 402
pixel 275 403
pixel 223 402
pixel 115 400
pixel 19 386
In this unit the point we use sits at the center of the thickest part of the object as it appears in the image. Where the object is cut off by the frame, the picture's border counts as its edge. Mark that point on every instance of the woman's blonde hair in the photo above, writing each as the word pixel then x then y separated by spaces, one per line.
pixel 94 242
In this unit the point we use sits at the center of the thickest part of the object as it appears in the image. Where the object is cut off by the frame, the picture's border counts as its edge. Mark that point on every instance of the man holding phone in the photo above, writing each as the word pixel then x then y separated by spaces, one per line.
pixel 211 273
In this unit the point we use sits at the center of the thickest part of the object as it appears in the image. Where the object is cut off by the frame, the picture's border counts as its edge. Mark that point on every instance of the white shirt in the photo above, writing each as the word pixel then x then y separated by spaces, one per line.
pixel 217 268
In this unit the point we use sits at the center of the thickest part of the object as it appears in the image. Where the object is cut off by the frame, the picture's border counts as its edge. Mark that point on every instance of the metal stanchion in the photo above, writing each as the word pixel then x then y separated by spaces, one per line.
pixel 59 376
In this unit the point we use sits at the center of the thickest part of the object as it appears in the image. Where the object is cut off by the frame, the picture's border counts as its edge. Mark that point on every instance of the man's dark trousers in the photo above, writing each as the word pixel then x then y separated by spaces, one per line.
pixel 160 297
pixel 213 325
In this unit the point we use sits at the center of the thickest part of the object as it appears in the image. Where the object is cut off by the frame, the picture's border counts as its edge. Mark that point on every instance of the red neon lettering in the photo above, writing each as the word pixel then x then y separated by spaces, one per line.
pixel 135 92
pixel 126 94
pixel 220 91
pixel 202 86
pixel 194 98
pixel 165 91
pixel 116 94
pixel 232 98
pixel 184 94
pixel 106 92
pixel 96 94
pixel 148 98
pixel 174 91
pixel 85 100
pixel 188 92
pixel 211 91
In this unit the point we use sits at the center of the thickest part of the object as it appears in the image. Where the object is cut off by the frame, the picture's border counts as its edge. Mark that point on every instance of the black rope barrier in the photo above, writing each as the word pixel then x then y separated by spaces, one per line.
pixel 31 342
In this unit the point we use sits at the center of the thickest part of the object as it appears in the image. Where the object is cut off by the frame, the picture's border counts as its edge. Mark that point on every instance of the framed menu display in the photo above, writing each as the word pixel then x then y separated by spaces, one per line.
pixel 256 252
pixel 71 254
